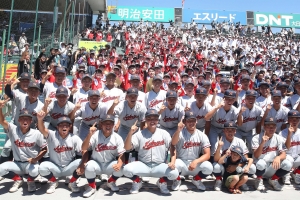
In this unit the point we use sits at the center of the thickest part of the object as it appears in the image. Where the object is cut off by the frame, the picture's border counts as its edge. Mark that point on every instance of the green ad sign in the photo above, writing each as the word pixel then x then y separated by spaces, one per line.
pixel 129 13
pixel 277 20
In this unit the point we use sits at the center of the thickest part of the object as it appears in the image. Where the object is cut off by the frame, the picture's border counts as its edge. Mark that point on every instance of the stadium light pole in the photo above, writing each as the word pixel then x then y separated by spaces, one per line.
pixel 8 36
pixel 54 23
pixel 39 39
pixel 64 26
pixel 1 56
pixel 34 32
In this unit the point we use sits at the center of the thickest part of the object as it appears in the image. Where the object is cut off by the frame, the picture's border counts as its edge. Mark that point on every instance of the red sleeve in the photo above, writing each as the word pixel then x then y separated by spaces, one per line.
pixel 74 83
pixel 51 79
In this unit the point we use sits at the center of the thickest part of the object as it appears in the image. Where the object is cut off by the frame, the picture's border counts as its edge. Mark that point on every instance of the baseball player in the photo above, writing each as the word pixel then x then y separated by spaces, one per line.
pixel 152 144
pixel 82 93
pixel 249 118
pixel 223 144
pixel 277 111
pixel 89 113
pixel 63 147
pixel 200 108
pixel 189 143
pixel 245 82
pixel 109 93
pixel 155 97
pixel 60 107
pixel 188 98
pixel 265 98
pixel 291 139
pixel 293 101
pixel 282 86
pixel 28 146
pixel 220 114
pixel 49 89
pixel 135 81
pixel 224 85
pixel 105 145
pixel 170 113
pixel 270 156
pixel 212 99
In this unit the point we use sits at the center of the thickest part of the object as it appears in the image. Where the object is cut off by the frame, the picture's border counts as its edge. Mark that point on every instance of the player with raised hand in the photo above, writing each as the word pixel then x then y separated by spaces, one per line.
pixel 220 114
pixel 291 139
pixel 189 143
pixel 105 145
pixel 224 144
pixel 200 107
pixel 152 143
pixel 88 114
pixel 270 156
pixel 28 146
pixel 63 149
pixel 277 111
pixel 59 107
pixel 249 118
pixel 170 113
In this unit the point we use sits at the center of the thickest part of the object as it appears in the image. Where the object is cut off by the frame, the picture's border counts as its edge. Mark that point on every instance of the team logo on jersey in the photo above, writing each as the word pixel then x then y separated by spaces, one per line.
pixel 170 119
pixel 269 149
pixel 295 143
pixel 109 98
pixel 191 144
pixel 249 119
pixel 150 144
pixel 221 121
pixel 154 103
pixel 280 120
pixel 57 115
pixel 104 147
pixel 60 149
pixel 91 118
pixel 199 117
pixel 130 117
pixel 20 143
pixel 52 95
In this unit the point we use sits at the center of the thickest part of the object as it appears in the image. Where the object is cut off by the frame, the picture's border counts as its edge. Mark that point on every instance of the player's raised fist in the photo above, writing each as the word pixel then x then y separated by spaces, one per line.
pixel 93 129
pixel 40 115
pixel 134 128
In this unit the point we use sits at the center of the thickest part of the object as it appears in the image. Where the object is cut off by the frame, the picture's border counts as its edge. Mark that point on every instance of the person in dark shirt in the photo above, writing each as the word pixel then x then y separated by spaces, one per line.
pixel 236 169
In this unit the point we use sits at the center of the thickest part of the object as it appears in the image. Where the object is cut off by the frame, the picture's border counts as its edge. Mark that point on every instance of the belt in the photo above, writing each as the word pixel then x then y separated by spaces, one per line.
pixel 20 161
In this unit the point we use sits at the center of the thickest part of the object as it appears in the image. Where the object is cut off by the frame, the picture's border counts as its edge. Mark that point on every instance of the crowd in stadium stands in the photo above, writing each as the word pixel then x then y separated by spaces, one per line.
pixel 220 104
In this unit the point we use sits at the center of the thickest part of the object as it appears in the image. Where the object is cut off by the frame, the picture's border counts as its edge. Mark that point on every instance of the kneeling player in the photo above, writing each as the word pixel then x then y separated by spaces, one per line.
pixel 63 148
pixel 190 143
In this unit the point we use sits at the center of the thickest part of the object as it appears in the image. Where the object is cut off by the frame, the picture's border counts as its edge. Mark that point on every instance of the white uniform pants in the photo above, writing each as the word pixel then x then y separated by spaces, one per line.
pixel 19 168
pixel 139 168
pixel 183 167
pixel 48 167
pixel 295 161
pixel 94 168
pixel 270 171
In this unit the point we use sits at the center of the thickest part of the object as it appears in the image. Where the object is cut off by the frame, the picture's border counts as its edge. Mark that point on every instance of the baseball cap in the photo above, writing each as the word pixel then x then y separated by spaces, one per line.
pixel 189 82
pixel 282 84
pixel 264 83
pixel 64 119
pixel 251 93
pixel 230 93
pixel 117 67
pixel 108 118
pixel 25 113
pixel 61 90
pixel 60 70
pixel 171 93
pixel 239 151
pixel 93 93
pixel 151 112
pixel 245 77
pixel 201 90
pixel 189 115
pixel 87 76
pixel 43 71
pixel 184 74
pixel 270 120
pixel 111 74
pixel 276 93
pixel 157 77
pixel 135 77
pixel 230 124
pixel 205 83
pixel 24 76
pixel 173 82
pixel 33 85
pixel 296 80
pixel 167 75
pixel 131 66
pixel 293 113
pixel 133 91
pixel 224 80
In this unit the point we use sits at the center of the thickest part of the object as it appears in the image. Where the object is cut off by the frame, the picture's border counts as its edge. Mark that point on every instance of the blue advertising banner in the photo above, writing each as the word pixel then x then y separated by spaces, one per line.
pixel 23 26
pixel 130 13
pixel 207 16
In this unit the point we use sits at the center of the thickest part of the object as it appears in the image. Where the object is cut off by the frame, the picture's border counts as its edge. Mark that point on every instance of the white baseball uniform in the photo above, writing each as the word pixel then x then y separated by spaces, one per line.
pixel 281 116
pixel 218 99
pixel 189 147
pixel 105 150
pixel 241 97
pixel 154 100
pixel 186 99
pixel 200 113
pixel 80 95
pixel 293 101
pixel 110 96
pixel 50 90
pixel 263 102
pixel 169 119
pixel 141 97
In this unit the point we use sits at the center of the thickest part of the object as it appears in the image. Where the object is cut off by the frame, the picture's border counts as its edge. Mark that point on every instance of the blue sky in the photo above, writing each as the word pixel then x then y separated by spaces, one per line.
pixel 286 6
